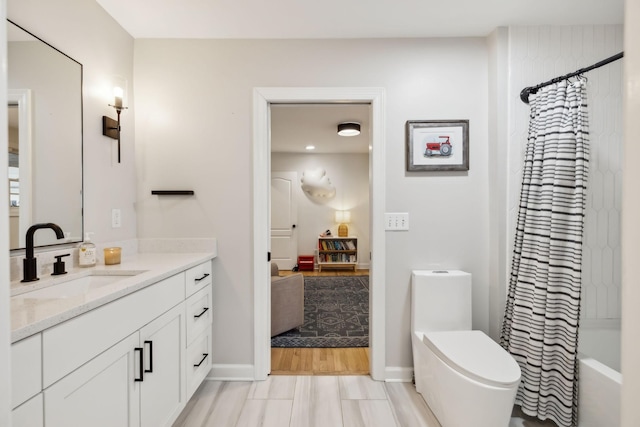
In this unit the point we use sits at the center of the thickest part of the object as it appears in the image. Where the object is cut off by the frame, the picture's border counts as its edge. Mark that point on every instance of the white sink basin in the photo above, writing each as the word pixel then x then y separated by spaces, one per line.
pixel 79 286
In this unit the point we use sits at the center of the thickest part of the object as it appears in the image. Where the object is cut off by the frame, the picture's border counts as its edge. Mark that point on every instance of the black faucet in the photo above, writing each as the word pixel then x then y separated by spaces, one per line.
pixel 29 263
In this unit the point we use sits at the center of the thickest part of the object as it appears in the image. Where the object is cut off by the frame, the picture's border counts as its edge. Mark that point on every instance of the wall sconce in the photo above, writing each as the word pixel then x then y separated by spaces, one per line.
pixel 343 218
pixel 349 129
pixel 110 127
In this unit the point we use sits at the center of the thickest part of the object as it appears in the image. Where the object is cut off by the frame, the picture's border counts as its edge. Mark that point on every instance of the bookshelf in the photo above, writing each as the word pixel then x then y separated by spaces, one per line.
pixel 337 252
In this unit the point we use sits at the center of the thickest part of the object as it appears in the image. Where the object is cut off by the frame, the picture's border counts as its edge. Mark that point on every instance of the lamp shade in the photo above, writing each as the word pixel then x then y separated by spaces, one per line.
pixel 343 217
pixel 349 129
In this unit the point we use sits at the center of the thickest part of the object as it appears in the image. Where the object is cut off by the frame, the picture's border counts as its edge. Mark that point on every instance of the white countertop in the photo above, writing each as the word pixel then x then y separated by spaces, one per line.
pixel 32 315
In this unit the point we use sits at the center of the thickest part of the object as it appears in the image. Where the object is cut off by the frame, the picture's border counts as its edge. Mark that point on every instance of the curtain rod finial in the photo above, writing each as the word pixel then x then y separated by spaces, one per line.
pixel 524 95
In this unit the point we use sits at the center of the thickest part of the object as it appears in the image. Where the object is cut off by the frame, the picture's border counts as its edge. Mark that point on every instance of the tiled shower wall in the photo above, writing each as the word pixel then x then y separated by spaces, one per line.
pixel 537 54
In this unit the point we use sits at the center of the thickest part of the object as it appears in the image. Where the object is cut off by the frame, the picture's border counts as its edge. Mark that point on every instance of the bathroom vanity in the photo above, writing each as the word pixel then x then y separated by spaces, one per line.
pixel 112 345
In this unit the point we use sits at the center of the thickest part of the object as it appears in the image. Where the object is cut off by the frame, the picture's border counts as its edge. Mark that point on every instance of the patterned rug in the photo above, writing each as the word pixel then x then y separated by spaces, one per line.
pixel 336 314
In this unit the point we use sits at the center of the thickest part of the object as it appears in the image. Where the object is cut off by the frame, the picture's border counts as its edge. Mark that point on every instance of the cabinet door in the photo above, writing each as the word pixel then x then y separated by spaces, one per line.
pixel 99 393
pixel 163 391
pixel 29 414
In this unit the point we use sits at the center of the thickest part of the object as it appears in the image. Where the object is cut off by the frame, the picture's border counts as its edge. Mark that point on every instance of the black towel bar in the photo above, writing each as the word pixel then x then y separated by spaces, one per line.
pixel 173 192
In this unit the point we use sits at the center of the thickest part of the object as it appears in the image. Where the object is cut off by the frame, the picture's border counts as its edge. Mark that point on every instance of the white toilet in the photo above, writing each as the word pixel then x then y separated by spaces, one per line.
pixel 464 376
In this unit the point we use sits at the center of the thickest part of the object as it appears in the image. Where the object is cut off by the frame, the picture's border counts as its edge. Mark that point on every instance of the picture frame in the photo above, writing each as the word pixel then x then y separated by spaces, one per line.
pixel 437 145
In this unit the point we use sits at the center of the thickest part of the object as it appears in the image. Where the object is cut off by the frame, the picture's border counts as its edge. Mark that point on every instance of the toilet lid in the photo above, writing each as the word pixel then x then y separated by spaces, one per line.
pixel 474 355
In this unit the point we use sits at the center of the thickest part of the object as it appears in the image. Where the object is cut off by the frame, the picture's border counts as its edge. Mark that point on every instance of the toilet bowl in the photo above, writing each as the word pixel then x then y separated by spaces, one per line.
pixel 464 376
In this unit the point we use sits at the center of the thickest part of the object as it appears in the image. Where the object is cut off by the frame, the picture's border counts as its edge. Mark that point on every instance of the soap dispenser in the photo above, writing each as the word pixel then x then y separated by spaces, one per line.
pixel 87 252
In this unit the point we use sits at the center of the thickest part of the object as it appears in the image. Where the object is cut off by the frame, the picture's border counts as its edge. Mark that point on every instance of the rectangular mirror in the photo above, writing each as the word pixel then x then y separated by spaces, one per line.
pixel 45 139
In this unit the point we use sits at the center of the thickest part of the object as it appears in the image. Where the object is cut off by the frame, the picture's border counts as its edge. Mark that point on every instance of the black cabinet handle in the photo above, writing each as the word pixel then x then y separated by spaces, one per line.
pixel 204 356
pixel 203 312
pixel 141 350
pixel 150 356
pixel 203 277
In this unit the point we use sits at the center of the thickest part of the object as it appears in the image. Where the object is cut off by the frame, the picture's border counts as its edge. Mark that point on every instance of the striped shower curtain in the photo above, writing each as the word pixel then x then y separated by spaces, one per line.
pixel 540 327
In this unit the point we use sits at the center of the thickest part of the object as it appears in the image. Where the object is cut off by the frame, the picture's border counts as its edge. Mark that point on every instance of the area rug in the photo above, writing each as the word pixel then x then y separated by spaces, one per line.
pixel 336 314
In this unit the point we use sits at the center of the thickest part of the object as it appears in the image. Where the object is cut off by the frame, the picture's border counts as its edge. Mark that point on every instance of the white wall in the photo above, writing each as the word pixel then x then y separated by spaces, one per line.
pixel 195 133
pixel 630 225
pixel 349 174
pixel 84 31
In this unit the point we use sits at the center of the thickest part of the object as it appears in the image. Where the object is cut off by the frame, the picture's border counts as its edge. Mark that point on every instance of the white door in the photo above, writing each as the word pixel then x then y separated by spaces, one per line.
pixel 163 391
pixel 101 393
pixel 284 213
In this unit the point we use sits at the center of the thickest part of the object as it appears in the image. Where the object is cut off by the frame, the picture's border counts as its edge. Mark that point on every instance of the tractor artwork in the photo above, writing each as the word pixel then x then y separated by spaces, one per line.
pixel 438 146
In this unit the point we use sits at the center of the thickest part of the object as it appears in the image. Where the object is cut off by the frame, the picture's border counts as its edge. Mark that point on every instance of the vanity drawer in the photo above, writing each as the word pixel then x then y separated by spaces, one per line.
pixel 199 313
pixel 198 361
pixel 69 345
pixel 198 277
pixel 26 369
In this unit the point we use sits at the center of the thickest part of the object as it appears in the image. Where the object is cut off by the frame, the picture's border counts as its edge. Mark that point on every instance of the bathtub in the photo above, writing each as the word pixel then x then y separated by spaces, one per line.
pixel 599 374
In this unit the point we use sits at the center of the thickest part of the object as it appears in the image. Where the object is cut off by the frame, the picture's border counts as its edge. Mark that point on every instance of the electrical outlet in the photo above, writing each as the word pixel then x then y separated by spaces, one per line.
pixel 396 221
pixel 116 218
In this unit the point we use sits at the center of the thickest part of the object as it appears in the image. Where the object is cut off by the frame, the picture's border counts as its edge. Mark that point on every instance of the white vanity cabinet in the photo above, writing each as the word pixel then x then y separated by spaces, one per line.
pixel 126 363
pixel 162 389
pixel 101 393
pixel 29 414
pixel 137 382
pixel 199 307
pixel 26 382
pixel 26 369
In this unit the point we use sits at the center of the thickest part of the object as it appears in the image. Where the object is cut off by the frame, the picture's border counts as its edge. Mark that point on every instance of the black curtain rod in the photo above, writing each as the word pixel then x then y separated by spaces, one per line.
pixel 524 95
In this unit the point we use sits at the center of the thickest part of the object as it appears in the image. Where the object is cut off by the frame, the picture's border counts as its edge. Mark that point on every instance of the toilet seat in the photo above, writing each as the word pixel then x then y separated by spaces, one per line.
pixel 474 355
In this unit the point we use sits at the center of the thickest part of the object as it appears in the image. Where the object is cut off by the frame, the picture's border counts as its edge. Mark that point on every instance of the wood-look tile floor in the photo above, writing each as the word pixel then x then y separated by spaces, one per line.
pixel 314 401
pixel 307 401
pixel 304 390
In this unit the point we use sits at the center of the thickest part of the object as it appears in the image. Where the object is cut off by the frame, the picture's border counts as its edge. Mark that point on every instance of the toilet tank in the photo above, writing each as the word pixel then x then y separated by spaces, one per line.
pixel 440 300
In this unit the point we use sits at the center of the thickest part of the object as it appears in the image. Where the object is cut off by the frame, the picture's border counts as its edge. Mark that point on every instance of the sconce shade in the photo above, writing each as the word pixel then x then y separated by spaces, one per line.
pixel 343 218
pixel 349 129
pixel 118 94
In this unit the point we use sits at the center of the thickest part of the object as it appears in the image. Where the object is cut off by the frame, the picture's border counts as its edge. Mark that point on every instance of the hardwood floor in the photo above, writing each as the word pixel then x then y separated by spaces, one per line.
pixel 321 361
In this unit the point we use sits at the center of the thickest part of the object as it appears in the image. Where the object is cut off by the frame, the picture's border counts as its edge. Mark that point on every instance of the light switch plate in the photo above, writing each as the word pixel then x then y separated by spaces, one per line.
pixel 398 221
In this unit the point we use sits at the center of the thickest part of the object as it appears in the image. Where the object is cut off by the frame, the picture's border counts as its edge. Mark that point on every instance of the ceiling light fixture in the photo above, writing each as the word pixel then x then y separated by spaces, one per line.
pixel 310 147
pixel 349 129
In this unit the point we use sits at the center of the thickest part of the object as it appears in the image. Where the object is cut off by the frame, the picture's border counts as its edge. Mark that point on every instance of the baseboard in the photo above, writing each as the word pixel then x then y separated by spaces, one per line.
pixel 363 266
pixel 231 373
pixel 396 374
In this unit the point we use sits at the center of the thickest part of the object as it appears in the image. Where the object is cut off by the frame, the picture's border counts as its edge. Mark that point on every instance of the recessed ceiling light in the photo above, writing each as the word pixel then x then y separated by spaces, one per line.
pixel 310 147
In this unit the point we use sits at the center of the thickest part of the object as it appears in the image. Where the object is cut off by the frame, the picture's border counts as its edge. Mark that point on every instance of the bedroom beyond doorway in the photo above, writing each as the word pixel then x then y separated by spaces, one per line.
pixel 321 361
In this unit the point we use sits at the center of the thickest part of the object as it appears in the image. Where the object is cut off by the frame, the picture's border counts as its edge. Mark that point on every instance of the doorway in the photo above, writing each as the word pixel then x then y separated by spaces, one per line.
pixel 317 175
pixel 263 98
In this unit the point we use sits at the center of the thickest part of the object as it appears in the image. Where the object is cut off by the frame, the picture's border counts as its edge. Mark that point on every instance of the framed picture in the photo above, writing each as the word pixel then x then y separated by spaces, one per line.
pixel 437 145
